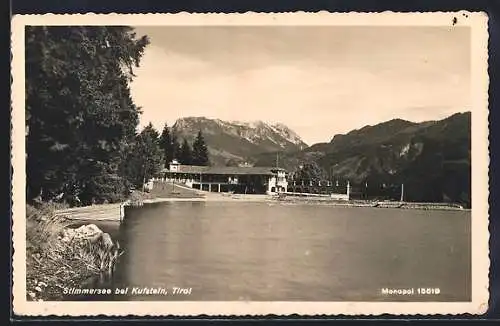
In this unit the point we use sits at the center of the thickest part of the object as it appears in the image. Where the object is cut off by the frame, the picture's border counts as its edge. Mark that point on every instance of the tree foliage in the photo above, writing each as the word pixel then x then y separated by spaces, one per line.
pixel 200 151
pixel 80 116
pixel 186 155
pixel 146 159
pixel 173 148
pixel 166 145
pixel 309 172
pixel 176 148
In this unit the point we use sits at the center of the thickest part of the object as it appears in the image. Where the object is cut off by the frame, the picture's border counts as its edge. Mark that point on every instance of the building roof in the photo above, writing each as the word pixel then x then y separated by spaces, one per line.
pixel 195 169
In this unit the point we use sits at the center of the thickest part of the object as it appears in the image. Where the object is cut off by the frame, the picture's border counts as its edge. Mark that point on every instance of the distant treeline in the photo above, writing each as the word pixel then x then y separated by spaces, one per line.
pixel 431 158
pixel 155 151
pixel 185 153
pixel 82 141
pixel 311 178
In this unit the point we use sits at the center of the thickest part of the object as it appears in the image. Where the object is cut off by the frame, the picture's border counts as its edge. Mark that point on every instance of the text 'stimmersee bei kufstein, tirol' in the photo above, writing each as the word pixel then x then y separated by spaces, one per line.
pixel 136 290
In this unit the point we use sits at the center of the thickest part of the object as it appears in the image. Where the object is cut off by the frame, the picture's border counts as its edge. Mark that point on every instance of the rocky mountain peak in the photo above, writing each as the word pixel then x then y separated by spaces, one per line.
pixel 240 140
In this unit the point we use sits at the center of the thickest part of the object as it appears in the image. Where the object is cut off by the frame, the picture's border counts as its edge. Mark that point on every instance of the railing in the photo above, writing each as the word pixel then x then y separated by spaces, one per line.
pixel 306 194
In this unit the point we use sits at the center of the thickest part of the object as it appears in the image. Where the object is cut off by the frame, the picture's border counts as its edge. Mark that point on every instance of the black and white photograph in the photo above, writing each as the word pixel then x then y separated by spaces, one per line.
pixel 251 163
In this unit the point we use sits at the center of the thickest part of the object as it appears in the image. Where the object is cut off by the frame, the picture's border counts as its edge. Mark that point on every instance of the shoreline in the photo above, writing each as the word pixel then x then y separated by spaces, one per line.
pixel 309 201
pixel 180 192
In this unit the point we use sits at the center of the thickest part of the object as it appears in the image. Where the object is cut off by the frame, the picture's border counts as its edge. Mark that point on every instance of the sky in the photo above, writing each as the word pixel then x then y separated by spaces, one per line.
pixel 317 80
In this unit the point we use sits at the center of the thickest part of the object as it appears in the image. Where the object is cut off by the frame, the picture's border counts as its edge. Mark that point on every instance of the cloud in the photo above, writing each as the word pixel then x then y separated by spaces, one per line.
pixel 355 77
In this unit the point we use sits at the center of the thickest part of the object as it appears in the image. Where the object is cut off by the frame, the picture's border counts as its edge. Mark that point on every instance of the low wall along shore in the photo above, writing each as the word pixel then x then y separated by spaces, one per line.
pixel 104 212
pixel 365 203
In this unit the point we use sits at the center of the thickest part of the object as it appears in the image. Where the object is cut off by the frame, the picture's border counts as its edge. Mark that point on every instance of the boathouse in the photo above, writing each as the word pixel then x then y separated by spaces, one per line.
pixel 241 179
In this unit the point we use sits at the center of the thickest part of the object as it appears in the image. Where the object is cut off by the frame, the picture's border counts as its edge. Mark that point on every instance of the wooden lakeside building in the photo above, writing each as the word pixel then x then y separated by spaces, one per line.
pixel 244 180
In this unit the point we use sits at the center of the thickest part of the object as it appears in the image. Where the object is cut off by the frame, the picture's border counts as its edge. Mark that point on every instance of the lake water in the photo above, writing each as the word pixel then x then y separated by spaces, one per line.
pixel 289 252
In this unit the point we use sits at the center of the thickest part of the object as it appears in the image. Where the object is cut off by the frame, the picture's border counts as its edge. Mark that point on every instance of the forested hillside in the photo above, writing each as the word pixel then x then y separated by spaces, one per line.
pixel 432 159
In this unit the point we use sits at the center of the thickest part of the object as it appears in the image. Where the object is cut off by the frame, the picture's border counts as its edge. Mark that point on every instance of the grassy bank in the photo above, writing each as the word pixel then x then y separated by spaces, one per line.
pixel 163 190
pixel 169 190
pixel 58 256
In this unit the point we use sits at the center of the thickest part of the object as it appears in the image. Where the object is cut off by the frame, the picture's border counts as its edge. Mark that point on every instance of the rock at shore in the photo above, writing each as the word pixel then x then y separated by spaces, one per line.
pixel 90 233
pixel 59 256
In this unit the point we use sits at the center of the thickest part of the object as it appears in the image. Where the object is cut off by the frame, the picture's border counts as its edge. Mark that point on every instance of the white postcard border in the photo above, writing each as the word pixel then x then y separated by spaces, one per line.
pixel 479 230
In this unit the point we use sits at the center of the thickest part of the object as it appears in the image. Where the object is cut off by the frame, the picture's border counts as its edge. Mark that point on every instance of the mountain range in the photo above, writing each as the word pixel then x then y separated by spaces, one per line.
pixel 432 158
pixel 234 142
